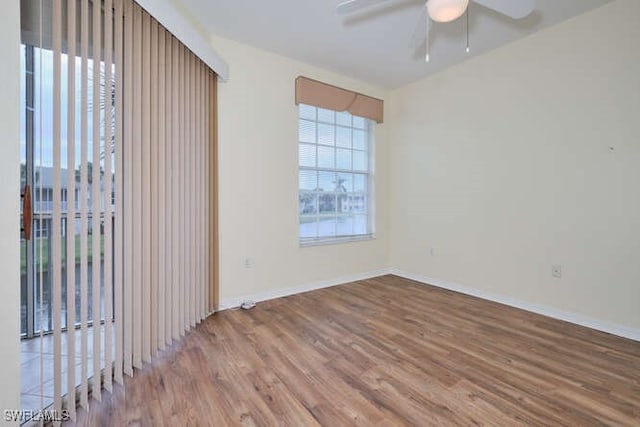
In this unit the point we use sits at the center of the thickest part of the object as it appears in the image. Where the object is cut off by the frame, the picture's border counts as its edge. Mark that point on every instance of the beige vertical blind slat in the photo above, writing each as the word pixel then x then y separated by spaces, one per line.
pixel 212 193
pixel 95 209
pixel 155 178
pixel 84 131
pixel 56 249
pixel 184 180
pixel 204 200
pixel 71 210
pixel 136 225
pixel 127 188
pixel 201 179
pixel 175 259
pixel 119 211
pixel 161 174
pixel 198 192
pixel 184 176
pixel 168 181
pixel 194 193
pixel 189 190
pixel 108 207
pixel 207 194
pixel 175 187
pixel 185 191
pixel 181 189
pixel 145 159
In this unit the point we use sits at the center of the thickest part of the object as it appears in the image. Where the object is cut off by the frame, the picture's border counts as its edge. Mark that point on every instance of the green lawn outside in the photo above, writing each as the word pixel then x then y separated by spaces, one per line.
pixel 44 266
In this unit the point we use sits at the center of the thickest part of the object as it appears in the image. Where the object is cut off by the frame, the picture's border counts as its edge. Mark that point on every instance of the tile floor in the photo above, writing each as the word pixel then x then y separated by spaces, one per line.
pixel 36 370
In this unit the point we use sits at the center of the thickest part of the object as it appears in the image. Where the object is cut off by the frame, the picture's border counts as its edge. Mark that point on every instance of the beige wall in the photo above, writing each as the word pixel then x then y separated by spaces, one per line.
pixel 9 194
pixel 258 134
pixel 525 157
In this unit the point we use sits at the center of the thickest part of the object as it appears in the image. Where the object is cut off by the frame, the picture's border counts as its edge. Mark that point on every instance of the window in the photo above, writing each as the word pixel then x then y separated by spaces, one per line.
pixel 335 160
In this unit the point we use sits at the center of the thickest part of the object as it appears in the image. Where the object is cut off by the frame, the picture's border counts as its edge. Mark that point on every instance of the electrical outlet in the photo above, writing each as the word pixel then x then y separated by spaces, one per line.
pixel 556 271
pixel 432 251
pixel 248 263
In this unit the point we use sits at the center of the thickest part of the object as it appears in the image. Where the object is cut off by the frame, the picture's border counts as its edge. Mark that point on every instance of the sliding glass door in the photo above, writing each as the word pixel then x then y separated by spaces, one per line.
pixel 36 179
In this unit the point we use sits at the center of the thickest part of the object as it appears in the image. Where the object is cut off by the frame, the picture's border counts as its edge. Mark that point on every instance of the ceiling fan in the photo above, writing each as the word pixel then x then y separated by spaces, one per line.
pixel 446 11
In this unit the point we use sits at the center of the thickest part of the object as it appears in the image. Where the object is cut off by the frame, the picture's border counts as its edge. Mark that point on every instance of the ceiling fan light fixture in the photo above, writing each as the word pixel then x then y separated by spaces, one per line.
pixel 446 10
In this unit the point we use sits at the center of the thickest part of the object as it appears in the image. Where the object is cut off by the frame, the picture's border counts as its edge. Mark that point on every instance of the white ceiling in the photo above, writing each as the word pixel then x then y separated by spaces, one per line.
pixel 373 45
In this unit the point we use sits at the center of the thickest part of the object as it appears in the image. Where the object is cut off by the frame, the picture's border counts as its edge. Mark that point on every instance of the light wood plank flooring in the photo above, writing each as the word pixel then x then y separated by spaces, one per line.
pixel 386 352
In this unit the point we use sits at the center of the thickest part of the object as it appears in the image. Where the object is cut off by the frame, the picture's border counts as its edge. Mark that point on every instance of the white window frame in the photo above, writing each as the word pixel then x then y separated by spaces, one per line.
pixel 370 180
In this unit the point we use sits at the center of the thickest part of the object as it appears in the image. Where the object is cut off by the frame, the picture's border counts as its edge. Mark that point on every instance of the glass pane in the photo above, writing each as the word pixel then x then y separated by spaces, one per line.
pixel 327 204
pixel 23 286
pixel 345 183
pixel 327 226
pixel 327 116
pixel 326 134
pixel 357 203
pixel 42 278
pixel 343 118
pixel 359 182
pixel 343 204
pixel 344 225
pixel 359 160
pixel 360 224
pixel 76 234
pixel 307 131
pixel 343 137
pixel 308 206
pixel 98 258
pixel 326 157
pixel 90 271
pixel 326 181
pixel 307 112
pixel 307 155
pixel 359 122
pixel 64 272
pixel 343 158
pixel 359 139
pixel 308 226
pixel 308 180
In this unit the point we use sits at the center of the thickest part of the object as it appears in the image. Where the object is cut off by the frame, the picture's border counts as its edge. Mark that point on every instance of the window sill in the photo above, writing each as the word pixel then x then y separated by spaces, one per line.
pixel 336 240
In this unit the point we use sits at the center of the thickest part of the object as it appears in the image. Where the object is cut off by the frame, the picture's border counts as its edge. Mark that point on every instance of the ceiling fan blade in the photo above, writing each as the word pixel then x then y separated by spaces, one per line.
pixel 419 32
pixel 355 5
pixel 516 9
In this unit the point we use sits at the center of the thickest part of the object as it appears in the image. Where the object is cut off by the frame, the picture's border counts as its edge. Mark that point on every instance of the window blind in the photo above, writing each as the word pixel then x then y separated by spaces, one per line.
pixel 134 215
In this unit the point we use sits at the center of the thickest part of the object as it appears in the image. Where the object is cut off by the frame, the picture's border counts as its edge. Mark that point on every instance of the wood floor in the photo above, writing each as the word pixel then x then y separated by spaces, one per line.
pixel 387 352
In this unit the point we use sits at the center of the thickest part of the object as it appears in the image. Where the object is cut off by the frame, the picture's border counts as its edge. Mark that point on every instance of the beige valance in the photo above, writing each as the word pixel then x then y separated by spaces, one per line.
pixel 323 95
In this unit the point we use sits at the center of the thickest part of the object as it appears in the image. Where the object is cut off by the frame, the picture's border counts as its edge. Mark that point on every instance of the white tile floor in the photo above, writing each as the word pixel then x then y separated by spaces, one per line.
pixel 36 370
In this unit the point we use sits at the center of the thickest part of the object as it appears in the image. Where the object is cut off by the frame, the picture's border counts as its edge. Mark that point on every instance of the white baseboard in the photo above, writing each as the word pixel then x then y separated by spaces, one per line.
pixel 567 316
pixel 229 303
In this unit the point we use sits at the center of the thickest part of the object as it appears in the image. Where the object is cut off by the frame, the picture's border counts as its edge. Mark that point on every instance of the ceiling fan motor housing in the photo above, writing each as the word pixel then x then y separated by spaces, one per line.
pixel 446 10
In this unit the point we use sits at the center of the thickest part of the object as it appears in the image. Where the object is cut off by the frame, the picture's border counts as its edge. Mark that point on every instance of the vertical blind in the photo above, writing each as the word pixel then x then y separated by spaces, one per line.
pixel 134 226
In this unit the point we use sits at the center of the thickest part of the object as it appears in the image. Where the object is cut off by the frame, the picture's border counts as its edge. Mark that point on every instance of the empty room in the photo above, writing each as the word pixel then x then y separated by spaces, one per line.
pixel 320 213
